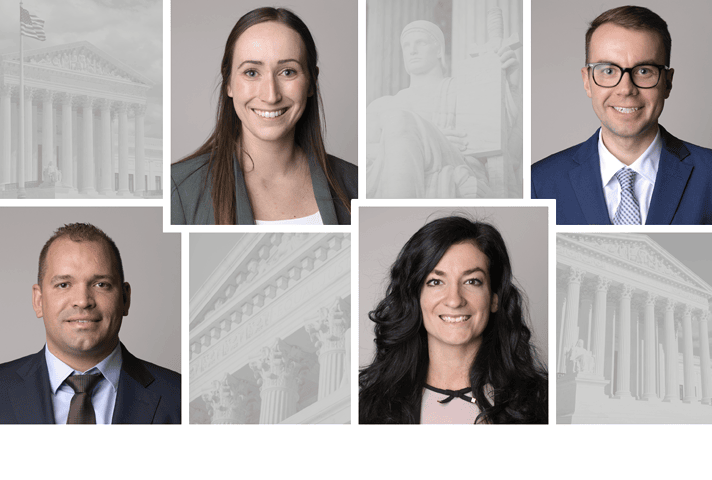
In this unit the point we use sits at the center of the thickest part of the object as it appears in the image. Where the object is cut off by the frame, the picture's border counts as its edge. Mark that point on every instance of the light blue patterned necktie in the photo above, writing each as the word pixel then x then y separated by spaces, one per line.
pixel 628 212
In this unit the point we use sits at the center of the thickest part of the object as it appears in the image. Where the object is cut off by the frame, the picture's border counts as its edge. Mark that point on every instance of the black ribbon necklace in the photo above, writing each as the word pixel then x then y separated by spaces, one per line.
pixel 453 393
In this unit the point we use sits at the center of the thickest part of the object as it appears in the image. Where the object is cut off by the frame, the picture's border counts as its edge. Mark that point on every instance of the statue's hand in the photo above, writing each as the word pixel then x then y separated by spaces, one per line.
pixel 510 64
pixel 456 137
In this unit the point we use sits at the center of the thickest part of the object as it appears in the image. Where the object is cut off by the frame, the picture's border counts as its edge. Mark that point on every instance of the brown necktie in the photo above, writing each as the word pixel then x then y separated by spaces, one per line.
pixel 80 408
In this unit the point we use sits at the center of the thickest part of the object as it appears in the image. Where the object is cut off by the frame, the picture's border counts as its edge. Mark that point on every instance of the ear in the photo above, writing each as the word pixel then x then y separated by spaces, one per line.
pixel 37 300
pixel 495 303
pixel 586 81
pixel 668 81
pixel 126 295
pixel 229 90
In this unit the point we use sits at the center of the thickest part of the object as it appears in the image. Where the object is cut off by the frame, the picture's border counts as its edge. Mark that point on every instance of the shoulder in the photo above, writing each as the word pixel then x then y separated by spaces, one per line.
pixel 346 174
pixel 9 371
pixel 167 379
pixel 191 170
pixel 558 160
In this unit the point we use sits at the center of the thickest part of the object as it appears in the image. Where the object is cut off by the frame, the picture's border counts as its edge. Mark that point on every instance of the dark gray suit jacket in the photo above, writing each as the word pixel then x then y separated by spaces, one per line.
pixel 191 202
pixel 147 393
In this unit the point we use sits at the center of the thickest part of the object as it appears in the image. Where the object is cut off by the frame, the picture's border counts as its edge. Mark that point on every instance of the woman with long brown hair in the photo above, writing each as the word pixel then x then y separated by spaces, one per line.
pixel 265 161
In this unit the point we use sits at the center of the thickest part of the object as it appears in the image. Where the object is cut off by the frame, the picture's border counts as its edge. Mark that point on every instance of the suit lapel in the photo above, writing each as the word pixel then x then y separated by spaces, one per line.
pixel 135 404
pixel 588 185
pixel 670 181
pixel 31 399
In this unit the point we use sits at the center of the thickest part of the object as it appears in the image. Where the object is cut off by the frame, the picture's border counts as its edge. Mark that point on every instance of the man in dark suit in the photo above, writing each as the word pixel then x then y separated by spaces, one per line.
pixel 84 374
pixel 631 171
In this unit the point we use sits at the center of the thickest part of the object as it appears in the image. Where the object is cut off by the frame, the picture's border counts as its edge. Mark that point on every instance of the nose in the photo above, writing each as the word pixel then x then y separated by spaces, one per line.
pixel 83 297
pixel 626 85
pixel 454 297
pixel 270 90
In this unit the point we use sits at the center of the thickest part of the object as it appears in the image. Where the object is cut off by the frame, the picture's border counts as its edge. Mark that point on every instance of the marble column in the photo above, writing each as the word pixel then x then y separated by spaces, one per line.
pixel 599 326
pixel 687 356
pixel 231 401
pixel 280 370
pixel 671 354
pixel 573 292
pixel 47 131
pixel 106 170
pixel 27 161
pixel 623 370
pixel 327 333
pixel 88 182
pixel 139 154
pixel 649 349
pixel 67 154
pixel 705 358
pixel 5 135
pixel 123 150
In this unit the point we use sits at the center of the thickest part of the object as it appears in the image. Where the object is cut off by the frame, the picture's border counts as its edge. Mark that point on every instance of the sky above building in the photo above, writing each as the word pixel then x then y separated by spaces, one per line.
pixel 129 30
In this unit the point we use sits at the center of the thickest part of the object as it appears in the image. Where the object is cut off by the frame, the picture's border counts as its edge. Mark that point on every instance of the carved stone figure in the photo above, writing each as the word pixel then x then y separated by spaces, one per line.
pixel 50 174
pixel 413 147
pixel 580 360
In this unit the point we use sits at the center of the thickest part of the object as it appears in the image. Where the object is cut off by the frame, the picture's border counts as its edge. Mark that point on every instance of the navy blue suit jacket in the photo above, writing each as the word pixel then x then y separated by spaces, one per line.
pixel 147 393
pixel 682 193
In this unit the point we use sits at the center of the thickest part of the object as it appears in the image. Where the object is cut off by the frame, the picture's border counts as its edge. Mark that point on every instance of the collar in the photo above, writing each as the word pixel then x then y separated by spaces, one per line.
pixel 646 166
pixel 110 368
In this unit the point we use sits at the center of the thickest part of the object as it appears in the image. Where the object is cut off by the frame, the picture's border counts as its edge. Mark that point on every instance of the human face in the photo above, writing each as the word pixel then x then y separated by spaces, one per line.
pixel 420 52
pixel 269 82
pixel 81 301
pixel 456 300
pixel 626 111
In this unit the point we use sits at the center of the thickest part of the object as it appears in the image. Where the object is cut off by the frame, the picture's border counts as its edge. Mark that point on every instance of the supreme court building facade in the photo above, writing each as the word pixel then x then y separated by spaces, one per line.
pixel 270 332
pixel 84 126
pixel 632 334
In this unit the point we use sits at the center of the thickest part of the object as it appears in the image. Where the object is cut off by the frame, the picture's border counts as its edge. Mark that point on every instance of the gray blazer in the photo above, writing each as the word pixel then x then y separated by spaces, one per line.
pixel 192 204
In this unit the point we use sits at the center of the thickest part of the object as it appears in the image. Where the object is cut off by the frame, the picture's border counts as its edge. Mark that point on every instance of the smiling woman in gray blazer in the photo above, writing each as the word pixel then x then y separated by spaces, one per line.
pixel 265 161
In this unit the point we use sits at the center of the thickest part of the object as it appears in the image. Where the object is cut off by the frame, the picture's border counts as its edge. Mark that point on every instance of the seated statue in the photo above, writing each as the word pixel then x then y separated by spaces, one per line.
pixel 50 174
pixel 580 360
pixel 413 147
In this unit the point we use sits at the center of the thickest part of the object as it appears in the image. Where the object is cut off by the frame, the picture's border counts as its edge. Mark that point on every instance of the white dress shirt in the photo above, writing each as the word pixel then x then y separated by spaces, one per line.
pixel 646 167
pixel 103 396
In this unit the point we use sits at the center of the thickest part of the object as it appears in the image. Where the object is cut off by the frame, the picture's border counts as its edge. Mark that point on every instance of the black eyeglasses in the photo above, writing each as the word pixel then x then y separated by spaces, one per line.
pixel 608 75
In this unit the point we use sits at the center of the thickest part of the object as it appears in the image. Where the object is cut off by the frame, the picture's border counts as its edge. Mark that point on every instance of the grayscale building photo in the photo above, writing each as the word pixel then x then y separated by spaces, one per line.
pixel 632 334
pixel 270 331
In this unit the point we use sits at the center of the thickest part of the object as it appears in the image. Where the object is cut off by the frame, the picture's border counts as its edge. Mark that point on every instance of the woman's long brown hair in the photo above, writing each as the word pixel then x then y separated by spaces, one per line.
pixel 224 140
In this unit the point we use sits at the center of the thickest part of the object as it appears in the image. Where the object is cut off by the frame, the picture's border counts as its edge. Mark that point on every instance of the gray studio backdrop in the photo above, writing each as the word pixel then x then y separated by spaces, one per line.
pixel 151 262
pixel 562 115
pixel 384 230
pixel 199 31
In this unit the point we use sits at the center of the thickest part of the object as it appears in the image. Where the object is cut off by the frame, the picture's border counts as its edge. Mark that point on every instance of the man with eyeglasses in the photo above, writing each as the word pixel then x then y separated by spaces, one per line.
pixel 631 171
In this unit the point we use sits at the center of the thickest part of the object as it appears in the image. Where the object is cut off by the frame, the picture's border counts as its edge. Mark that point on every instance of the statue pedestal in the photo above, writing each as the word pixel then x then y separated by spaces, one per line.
pixel 579 397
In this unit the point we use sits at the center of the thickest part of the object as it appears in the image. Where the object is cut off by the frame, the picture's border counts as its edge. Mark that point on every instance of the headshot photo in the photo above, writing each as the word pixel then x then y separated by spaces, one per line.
pixel 250 143
pixel 105 292
pixel 632 170
pixel 453 315
pixel 444 96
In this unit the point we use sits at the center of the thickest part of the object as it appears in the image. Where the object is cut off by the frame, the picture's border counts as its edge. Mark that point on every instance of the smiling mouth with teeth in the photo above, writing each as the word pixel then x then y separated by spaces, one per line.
pixel 272 114
pixel 626 110
pixel 454 318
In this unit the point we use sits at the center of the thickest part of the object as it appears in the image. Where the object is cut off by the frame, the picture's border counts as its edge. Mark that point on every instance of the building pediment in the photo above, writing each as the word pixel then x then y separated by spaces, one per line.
pixel 636 252
pixel 81 58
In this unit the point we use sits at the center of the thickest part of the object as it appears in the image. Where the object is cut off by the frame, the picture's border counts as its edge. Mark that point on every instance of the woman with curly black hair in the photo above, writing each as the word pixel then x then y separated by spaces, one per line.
pixel 452 344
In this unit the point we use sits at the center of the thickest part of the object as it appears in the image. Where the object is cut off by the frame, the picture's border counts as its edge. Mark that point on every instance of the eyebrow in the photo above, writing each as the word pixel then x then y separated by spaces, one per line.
pixel 644 62
pixel 465 273
pixel 64 278
pixel 258 62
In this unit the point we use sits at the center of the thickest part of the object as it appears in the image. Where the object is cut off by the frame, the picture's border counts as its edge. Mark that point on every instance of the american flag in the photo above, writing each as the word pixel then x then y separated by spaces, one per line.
pixel 31 25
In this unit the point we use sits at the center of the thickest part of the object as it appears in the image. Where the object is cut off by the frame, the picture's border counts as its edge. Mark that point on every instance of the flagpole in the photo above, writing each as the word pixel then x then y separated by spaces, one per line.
pixel 21 147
